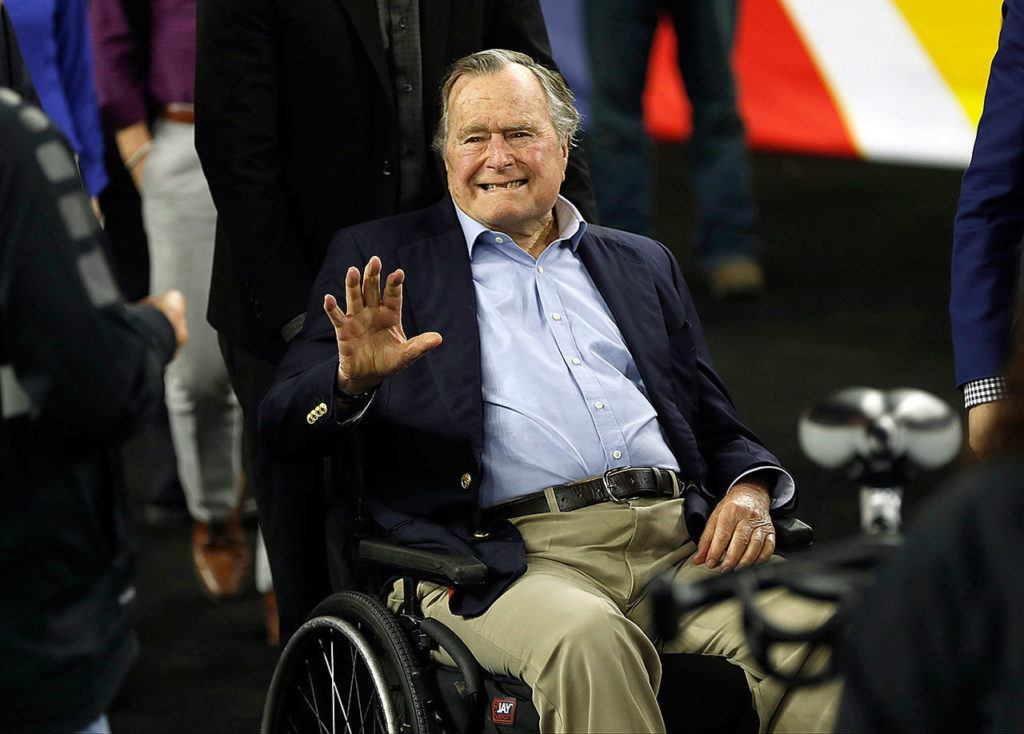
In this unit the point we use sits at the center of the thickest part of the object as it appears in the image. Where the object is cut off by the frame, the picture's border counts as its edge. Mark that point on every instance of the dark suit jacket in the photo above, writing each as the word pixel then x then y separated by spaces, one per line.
pixel 990 217
pixel 424 427
pixel 296 130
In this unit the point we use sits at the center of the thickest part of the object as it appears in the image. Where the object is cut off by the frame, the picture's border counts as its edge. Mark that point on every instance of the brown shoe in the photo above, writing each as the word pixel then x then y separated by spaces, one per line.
pixel 221 557
pixel 736 278
pixel 272 620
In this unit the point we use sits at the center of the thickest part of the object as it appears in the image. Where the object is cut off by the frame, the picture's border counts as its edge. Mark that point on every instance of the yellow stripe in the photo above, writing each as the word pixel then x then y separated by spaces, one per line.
pixel 960 36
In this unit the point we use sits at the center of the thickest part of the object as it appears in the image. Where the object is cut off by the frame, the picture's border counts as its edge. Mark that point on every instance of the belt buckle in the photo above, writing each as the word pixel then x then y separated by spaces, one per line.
pixel 607 484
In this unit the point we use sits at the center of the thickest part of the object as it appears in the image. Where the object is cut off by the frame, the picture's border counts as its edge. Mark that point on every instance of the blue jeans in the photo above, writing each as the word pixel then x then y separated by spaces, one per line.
pixel 619 35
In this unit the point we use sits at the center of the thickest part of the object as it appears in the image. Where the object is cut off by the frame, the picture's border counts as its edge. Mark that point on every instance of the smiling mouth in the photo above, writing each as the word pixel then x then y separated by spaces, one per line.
pixel 510 185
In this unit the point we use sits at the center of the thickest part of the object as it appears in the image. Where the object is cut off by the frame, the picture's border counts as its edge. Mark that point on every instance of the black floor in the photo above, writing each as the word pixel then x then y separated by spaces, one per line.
pixel 857 257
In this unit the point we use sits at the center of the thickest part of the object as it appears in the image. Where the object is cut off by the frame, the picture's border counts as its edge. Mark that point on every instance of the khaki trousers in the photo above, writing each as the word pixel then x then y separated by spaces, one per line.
pixel 576 626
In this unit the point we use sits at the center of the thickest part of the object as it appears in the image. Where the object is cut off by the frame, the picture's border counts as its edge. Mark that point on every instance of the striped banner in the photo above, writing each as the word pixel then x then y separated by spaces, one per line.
pixel 885 80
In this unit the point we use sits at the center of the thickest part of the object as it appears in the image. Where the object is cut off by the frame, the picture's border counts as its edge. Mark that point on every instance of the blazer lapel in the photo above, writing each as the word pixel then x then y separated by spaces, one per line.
pixel 367 24
pixel 440 297
pixel 625 282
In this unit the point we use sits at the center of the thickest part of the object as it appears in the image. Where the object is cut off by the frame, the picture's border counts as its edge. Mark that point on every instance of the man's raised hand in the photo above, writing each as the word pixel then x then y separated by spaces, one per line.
pixel 371 342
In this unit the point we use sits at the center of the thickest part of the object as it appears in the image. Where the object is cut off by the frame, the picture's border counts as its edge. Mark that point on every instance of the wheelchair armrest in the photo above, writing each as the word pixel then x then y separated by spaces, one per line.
pixel 792 534
pixel 443 567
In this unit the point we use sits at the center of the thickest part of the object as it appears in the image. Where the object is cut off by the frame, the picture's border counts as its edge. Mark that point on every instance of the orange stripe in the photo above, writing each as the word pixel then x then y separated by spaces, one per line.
pixel 783 98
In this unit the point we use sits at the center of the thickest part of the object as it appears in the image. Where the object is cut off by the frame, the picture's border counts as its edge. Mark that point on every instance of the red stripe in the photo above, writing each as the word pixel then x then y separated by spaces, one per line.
pixel 783 98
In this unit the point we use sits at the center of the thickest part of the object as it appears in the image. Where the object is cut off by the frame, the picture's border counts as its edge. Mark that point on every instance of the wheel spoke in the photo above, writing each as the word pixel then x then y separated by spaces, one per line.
pixel 316 714
pixel 314 707
pixel 369 706
pixel 353 683
pixel 334 691
pixel 335 694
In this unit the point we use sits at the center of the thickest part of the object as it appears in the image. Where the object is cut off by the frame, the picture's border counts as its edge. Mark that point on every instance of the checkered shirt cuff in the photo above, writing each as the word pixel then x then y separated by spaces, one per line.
pixel 985 390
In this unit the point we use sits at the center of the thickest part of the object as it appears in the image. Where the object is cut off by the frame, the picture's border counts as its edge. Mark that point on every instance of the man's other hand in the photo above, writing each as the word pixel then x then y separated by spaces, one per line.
pixel 172 305
pixel 739 532
pixel 982 424
pixel 371 342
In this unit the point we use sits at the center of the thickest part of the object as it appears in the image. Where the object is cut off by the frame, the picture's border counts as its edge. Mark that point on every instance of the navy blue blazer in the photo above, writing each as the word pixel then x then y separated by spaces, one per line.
pixel 424 428
pixel 990 217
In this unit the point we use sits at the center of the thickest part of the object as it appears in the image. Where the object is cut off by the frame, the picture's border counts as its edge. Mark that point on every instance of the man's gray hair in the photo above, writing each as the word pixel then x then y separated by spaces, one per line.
pixel 561 108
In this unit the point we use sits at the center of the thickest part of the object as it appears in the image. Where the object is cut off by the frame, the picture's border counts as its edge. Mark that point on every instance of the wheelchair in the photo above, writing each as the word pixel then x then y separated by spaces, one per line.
pixel 356 666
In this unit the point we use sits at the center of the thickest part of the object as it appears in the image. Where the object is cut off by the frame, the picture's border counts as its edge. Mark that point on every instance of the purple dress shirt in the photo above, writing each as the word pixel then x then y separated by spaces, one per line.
pixel 128 73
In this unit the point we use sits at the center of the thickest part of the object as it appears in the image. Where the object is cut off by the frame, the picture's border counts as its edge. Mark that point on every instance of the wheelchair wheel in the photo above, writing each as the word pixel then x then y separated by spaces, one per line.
pixel 349 669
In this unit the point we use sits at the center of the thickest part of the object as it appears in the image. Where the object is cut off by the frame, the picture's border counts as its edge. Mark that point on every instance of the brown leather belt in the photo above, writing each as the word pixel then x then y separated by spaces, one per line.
pixel 179 112
pixel 615 485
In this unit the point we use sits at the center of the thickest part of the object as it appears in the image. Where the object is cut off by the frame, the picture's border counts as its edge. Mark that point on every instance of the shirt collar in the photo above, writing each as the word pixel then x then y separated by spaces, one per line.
pixel 571 225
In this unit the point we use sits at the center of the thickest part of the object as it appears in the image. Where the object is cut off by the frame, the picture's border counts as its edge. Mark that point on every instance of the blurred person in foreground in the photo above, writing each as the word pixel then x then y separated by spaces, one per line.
pixel 312 116
pixel 563 424
pixel 79 371
pixel 987 239
pixel 619 34
pixel 939 642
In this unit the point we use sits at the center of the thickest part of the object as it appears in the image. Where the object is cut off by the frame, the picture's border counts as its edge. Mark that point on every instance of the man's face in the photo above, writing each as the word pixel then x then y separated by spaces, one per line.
pixel 504 159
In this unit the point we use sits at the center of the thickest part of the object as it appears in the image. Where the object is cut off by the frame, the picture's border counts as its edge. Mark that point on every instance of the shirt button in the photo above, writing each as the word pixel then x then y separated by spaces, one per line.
pixel 576 361
pixel 600 406
pixel 616 454
pixel 556 316
pixel 465 480
pixel 540 268
pixel 403 22
pixel 499 240
pixel 407 87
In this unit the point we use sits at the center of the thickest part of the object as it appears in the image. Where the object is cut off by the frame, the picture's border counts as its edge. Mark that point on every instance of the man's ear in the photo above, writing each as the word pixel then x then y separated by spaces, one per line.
pixel 565 158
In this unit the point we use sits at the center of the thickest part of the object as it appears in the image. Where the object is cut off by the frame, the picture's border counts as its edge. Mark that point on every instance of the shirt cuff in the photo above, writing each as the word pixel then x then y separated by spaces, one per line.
pixel 985 390
pixel 783 490
pixel 352 418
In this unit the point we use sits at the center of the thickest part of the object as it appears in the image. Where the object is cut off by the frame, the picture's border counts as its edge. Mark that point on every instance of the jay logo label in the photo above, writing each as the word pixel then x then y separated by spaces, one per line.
pixel 503 711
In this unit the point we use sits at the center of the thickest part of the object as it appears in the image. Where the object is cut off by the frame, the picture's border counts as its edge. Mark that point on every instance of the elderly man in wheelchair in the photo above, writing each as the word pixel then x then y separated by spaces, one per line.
pixel 555 428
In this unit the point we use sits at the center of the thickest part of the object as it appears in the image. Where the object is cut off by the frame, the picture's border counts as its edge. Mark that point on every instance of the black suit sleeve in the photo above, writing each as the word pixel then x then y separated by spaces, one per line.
pixel 518 25
pixel 289 426
pixel 88 368
pixel 237 97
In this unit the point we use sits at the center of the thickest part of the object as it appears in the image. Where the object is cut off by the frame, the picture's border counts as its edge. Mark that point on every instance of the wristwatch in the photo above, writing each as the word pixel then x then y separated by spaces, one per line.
pixel 344 397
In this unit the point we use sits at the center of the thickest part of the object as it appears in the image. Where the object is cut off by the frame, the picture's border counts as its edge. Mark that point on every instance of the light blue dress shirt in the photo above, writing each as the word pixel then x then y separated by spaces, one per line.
pixel 563 399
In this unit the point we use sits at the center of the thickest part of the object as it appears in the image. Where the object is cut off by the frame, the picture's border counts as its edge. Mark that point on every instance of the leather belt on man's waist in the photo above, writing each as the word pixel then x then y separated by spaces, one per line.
pixel 179 112
pixel 615 485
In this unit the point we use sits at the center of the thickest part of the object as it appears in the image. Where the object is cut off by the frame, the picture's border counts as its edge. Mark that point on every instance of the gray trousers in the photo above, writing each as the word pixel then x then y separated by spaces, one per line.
pixel 577 626
pixel 205 419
